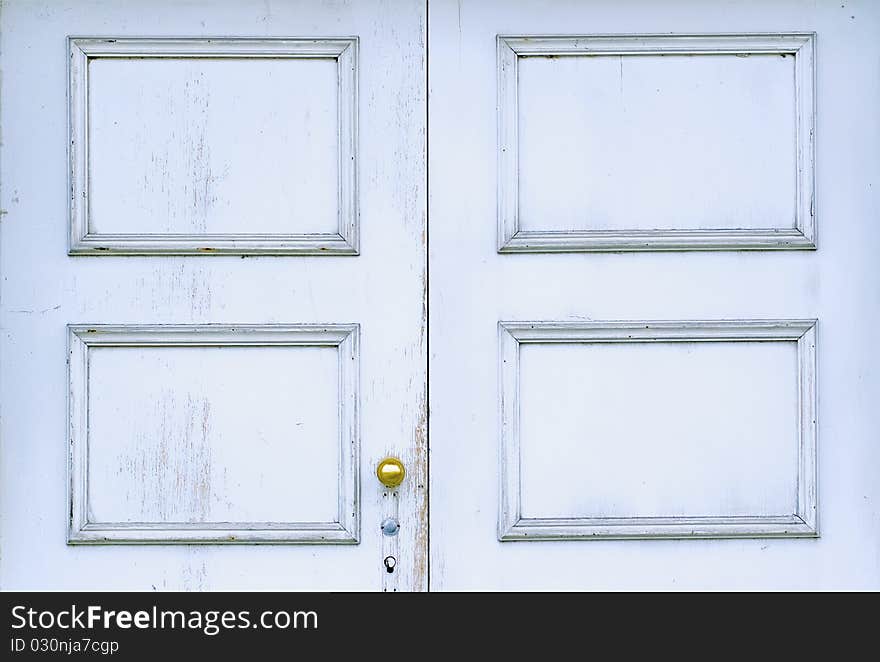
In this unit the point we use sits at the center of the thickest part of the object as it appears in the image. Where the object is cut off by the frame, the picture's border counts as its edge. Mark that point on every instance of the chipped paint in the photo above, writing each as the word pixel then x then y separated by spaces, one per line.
pixel 419 484
pixel 172 475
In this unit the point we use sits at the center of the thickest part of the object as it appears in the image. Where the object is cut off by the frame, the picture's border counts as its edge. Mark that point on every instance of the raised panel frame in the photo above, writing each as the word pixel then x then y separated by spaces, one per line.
pixel 512 526
pixel 345 241
pixel 344 337
pixel 511 239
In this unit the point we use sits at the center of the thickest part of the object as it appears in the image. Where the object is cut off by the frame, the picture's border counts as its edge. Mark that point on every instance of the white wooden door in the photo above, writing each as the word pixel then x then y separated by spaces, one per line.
pixel 654 294
pixel 213 295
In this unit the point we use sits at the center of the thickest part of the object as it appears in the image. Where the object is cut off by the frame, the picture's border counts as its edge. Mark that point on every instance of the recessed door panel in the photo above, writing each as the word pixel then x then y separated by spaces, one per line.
pixel 191 146
pixel 644 429
pixel 214 435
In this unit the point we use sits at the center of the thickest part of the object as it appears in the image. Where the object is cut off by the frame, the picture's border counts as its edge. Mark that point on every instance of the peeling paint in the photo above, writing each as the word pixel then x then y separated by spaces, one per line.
pixel 172 475
pixel 419 483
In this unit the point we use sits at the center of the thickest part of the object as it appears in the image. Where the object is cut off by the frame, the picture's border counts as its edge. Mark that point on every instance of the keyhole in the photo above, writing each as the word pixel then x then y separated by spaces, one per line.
pixel 390 562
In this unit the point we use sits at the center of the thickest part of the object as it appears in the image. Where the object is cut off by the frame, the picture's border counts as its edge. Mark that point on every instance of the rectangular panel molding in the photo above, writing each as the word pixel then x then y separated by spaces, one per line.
pixel 173 193
pixel 800 521
pixel 129 451
pixel 590 163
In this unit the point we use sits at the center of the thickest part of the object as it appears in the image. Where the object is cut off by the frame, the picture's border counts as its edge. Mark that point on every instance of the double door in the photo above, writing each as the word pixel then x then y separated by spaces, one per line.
pixel 600 276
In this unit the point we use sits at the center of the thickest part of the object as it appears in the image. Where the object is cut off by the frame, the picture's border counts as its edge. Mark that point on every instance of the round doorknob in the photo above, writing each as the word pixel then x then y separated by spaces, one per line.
pixel 390 472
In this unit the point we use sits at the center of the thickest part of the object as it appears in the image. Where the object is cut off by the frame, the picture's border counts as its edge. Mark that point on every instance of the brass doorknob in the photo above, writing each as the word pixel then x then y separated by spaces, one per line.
pixel 390 472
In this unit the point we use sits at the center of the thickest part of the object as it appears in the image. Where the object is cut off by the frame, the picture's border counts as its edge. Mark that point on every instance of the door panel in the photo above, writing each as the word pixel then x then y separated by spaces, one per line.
pixel 241 189
pixel 183 453
pixel 657 430
pixel 704 103
pixel 256 151
pixel 593 384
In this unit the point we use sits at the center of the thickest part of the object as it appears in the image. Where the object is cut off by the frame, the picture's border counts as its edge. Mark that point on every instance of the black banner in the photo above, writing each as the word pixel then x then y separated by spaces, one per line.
pixel 169 625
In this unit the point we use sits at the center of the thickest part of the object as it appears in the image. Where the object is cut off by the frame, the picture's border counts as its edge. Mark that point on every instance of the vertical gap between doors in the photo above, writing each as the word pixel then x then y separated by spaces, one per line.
pixel 427 291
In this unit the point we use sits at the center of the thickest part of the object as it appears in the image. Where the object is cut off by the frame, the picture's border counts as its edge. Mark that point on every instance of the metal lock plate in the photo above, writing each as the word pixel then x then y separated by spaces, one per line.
pixel 390 526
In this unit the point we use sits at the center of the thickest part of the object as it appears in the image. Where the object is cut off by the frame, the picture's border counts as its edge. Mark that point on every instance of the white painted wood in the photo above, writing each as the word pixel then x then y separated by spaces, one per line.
pixel 768 548
pixel 391 545
pixel 384 291
pixel 214 434
pixel 255 151
pixel 613 528
pixel 285 309
pixel 585 405
pixel 590 127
